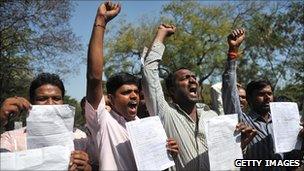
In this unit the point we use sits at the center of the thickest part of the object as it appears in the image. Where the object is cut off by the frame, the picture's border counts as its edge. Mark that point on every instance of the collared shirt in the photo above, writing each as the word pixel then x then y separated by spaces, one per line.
pixel 189 135
pixel 15 140
pixel 261 147
pixel 110 138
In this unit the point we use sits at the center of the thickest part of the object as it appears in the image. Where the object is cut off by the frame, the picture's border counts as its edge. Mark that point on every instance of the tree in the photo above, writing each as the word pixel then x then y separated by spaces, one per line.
pixel 274 44
pixel 35 36
pixel 273 48
pixel 123 51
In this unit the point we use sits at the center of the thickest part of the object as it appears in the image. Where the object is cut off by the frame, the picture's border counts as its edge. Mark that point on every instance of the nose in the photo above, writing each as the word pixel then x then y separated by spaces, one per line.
pixel 134 95
pixel 192 80
pixel 267 97
pixel 50 101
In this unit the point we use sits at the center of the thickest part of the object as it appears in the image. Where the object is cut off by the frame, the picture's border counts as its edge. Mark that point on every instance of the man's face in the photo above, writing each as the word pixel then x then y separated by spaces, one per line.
pixel 242 96
pixel 186 86
pixel 125 101
pixel 48 95
pixel 261 99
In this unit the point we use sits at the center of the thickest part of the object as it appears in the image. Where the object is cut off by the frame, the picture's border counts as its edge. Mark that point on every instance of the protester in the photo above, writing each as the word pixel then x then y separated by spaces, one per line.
pixel 183 119
pixel 259 95
pixel 108 129
pixel 242 97
pixel 45 89
pixel 217 102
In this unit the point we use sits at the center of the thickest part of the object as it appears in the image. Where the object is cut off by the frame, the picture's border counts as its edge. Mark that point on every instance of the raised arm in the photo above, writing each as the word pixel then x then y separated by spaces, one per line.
pixel 231 102
pixel 105 13
pixel 152 89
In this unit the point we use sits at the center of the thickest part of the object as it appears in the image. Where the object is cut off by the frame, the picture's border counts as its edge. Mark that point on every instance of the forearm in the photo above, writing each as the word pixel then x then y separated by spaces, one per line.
pixel 231 102
pixel 95 62
pixel 154 96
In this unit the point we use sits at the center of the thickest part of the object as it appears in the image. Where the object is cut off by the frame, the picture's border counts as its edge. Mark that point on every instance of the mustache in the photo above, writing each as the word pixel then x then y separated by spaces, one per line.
pixel 132 103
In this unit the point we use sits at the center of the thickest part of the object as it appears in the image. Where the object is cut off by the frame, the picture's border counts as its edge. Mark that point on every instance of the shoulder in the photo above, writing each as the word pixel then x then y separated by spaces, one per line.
pixel 205 110
pixel 16 132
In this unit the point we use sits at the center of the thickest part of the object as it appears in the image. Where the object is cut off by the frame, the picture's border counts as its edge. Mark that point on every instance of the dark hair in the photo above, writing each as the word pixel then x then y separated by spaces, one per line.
pixel 256 85
pixel 240 86
pixel 43 79
pixel 82 102
pixel 117 80
pixel 170 79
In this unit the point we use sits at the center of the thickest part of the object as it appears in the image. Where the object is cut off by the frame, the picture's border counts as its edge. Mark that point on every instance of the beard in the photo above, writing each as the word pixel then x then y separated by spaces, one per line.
pixel 263 108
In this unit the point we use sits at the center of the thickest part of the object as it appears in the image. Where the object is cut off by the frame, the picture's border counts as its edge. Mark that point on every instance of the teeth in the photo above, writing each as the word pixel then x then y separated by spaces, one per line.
pixel 133 102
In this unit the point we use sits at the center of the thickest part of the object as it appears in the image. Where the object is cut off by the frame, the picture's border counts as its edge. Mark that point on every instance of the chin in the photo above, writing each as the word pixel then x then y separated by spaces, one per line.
pixel 194 100
pixel 265 109
pixel 131 116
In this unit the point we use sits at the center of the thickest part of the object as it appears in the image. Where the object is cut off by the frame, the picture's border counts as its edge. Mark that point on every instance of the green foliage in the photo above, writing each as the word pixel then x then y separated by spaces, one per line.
pixel 293 91
pixel 274 44
pixel 35 37
pixel 123 51
pixel 273 48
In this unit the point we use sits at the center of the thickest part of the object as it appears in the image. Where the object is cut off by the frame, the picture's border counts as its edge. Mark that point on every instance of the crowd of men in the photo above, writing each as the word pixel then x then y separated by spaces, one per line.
pixel 107 144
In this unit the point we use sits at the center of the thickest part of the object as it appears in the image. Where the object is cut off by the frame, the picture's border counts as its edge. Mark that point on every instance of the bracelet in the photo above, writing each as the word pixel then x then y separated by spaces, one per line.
pixel 99 25
pixel 232 55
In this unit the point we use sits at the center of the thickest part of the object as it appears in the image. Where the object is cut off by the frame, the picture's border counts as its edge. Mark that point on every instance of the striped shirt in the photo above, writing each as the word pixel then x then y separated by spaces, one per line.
pixel 261 147
pixel 189 135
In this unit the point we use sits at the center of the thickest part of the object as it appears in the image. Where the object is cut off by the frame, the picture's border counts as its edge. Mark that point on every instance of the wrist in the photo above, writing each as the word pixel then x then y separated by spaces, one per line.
pixel 232 54
pixel 160 38
pixel 233 49
pixel 100 20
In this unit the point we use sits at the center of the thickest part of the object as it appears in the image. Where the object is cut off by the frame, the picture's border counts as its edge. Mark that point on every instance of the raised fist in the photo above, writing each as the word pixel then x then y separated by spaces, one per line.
pixel 235 39
pixel 108 10
pixel 164 30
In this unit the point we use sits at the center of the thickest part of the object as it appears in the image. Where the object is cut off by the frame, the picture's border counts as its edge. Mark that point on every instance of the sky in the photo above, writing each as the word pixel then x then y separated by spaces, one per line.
pixel 82 21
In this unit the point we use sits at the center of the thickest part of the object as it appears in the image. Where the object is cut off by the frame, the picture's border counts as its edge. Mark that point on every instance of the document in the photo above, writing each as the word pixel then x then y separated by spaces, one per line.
pixel 49 125
pixel 286 126
pixel 148 141
pixel 47 158
pixel 224 144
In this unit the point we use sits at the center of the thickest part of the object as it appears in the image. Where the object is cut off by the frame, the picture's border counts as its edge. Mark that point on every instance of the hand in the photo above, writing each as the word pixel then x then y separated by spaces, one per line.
pixel 108 11
pixel 13 105
pixel 79 161
pixel 172 147
pixel 247 132
pixel 235 39
pixel 164 30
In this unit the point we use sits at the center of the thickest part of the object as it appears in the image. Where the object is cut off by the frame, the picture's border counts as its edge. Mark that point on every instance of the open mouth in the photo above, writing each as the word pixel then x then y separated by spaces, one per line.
pixel 133 106
pixel 193 91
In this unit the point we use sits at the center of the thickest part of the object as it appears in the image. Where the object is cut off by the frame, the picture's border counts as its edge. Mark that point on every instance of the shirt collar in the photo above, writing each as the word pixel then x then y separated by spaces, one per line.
pixel 255 116
pixel 199 107
pixel 120 118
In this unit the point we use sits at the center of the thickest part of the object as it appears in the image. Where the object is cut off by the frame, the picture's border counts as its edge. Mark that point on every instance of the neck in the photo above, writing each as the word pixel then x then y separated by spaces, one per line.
pixel 189 108
pixel 264 115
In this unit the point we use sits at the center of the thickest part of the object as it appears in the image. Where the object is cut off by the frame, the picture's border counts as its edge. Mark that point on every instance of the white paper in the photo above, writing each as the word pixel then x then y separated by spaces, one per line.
pixel 49 125
pixel 47 158
pixel 148 141
pixel 224 144
pixel 286 126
